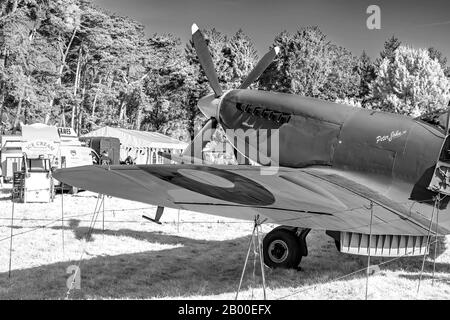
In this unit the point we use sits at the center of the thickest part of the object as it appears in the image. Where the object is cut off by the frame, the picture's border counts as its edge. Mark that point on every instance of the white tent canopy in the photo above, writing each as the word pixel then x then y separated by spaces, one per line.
pixel 40 131
pixel 141 145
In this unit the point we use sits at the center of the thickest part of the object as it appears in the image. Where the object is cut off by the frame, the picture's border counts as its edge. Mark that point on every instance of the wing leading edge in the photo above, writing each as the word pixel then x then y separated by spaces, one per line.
pixel 300 198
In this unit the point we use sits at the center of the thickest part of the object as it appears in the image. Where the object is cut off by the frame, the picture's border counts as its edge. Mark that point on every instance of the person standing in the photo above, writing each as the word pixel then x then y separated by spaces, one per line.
pixel 129 160
pixel 105 159
pixel 1 177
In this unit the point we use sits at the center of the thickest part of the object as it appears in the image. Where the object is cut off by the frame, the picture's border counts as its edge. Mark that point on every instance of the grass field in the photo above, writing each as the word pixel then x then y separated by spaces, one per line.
pixel 127 257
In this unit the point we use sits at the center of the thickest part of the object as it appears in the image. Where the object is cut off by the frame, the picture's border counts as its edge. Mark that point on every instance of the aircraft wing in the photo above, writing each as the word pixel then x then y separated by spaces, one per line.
pixel 304 198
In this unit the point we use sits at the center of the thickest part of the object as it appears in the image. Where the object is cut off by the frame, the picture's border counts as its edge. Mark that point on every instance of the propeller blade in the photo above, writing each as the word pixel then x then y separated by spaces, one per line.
pixel 195 150
pixel 204 56
pixel 260 67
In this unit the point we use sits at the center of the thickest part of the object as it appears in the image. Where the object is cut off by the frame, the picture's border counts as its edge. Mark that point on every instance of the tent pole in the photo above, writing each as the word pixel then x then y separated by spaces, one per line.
pixel 246 260
pixel 178 224
pixel 103 217
pixel 436 238
pixel 261 258
pixel 448 119
pixel 11 238
pixel 370 247
pixel 428 244
pixel 62 217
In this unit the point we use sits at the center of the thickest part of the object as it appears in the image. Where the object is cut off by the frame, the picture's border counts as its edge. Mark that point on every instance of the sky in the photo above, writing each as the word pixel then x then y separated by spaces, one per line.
pixel 420 24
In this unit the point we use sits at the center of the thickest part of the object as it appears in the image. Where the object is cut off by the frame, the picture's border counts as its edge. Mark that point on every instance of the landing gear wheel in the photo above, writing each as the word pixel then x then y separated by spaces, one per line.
pixel 281 249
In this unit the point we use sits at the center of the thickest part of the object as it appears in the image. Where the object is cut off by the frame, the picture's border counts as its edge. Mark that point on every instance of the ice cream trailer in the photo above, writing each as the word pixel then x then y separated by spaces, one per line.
pixel 34 183
pixel 40 146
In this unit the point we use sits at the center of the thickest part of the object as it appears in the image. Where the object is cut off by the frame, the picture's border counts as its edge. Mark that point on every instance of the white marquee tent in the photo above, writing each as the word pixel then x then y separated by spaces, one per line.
pixel 143 146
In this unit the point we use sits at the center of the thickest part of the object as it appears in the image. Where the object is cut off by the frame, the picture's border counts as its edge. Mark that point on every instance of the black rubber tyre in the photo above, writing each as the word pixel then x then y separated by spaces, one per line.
pixel 281 249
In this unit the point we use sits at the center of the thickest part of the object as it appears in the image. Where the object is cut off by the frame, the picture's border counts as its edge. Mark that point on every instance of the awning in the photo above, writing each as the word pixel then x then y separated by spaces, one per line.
pixel 40 131
pixel 138 139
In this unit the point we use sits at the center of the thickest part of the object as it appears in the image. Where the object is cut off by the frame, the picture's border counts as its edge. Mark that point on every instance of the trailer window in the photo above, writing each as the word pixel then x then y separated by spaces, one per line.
pixel 37 165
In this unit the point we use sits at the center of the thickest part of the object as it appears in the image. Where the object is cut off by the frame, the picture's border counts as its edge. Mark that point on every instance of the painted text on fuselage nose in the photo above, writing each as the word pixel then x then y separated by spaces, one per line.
pixel 393 135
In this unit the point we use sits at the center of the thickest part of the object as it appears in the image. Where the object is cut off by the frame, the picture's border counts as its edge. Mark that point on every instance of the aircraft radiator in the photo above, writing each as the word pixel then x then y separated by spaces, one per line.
pixel 383 245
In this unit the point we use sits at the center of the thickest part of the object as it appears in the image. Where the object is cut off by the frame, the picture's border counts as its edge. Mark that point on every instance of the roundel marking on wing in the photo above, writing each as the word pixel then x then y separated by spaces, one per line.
pixel 206 177
pixel 228 186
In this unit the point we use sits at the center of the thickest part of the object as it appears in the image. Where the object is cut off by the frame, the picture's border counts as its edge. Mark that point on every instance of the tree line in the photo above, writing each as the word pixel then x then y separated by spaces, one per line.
pixel 71 63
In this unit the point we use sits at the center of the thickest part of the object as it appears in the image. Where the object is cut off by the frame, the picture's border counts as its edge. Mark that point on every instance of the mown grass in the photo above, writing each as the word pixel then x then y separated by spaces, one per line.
pixel 201 258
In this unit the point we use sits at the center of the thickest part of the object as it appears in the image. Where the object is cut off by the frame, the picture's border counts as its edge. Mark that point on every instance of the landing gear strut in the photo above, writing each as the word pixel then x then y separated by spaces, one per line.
pixel 284 247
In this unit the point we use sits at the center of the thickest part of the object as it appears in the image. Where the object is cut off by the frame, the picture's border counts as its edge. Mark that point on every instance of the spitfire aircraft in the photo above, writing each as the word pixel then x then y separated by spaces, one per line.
pixel 373 181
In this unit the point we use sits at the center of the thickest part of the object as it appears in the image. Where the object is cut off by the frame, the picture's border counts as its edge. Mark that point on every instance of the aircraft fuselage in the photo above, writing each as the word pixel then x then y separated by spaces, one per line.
pixel 392 154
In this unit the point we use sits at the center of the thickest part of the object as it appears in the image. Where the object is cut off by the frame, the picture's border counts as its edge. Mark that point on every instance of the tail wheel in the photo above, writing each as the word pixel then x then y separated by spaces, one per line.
pixel 282 249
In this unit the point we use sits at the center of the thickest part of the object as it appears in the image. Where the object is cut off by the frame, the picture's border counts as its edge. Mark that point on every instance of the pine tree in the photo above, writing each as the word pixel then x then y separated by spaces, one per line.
pixel 411 83
pixel 368 75
pixel 310 65
pixel 388 52
pixel 240 56
pixel 436 54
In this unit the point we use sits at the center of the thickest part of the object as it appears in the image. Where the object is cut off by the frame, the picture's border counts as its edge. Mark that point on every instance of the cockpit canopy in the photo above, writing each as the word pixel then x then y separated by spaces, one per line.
pixel 437 119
